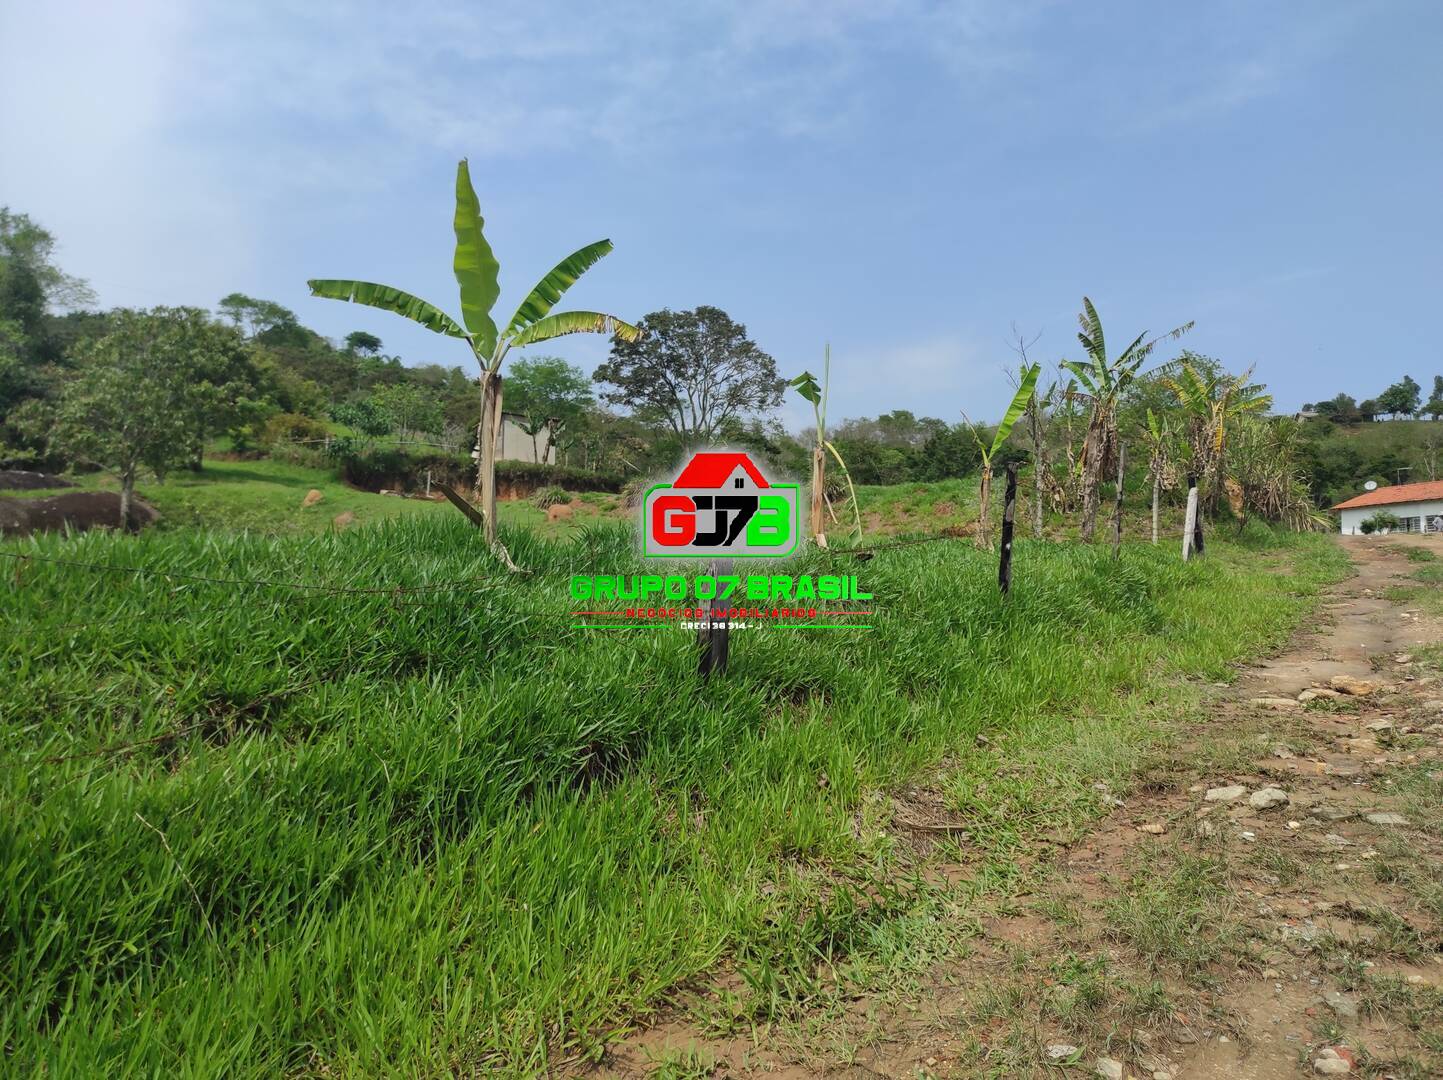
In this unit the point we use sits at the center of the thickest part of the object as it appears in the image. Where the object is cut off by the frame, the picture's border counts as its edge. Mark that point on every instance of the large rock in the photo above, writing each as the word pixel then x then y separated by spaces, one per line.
pixel 313 496
pixel 559 512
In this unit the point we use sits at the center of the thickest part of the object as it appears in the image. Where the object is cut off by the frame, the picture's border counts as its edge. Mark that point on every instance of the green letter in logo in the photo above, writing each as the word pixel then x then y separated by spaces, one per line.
pixel 771 525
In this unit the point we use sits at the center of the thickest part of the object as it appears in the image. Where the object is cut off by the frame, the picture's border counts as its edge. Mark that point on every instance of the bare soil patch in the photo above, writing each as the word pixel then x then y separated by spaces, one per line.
pixel 77 510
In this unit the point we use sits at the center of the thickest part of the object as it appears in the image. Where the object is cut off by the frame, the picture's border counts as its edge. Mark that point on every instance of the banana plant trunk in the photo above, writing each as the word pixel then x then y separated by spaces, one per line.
pixel 1156 498
pixel 486 433
pixel 819 469
pixel 1094 458
pixel 984 501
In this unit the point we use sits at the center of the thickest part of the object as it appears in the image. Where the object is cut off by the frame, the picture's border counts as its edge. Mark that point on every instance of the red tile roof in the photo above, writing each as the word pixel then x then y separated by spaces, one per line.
pixel 710 469
pixel 1395 493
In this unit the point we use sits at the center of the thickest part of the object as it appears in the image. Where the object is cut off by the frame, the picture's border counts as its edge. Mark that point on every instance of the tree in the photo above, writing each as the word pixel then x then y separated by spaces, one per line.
pixel 1341 410
pixel 1369 410
pixel 412 410
pixel 478 276
pixel 696 369
pixel 224 394
pixel 134 401
pixel 1103 382
pixel 31 285
pixel 1434 407
pixel 1401 399
pixel 257 317
pixel 358 341
pixel 551 394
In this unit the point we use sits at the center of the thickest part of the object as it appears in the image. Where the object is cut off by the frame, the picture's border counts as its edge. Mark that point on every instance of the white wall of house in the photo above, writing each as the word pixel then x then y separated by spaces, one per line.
pixel 513 444
pixel 1350 520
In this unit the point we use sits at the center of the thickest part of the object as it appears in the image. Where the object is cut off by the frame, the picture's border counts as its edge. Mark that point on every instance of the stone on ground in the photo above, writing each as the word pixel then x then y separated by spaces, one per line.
pixel 313 496
pixel 1225 794
pixel 1110 1068
pixel 1349 684
pixel 1267 797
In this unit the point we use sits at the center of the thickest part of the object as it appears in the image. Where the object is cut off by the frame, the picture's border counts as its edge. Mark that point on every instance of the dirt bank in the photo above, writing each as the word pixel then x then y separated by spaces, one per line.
pixel 79 510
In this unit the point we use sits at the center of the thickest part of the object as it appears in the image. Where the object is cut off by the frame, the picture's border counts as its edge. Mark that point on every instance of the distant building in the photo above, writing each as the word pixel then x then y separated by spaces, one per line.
pixel 1419 507
pixel 513 444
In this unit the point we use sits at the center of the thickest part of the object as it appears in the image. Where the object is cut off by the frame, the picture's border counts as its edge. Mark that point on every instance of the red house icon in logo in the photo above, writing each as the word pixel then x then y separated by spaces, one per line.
pixel 721 504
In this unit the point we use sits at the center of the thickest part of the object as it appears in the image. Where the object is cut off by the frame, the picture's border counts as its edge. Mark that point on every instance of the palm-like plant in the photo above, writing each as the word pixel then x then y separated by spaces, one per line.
pixel 477 274
pixel 807 386
pixel 1160 439
pixel 1103 383
pixel 1213 402
pixel 1025 389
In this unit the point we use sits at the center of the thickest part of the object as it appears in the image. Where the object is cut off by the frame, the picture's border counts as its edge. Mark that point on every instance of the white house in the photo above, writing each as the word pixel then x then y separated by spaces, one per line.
pixel 1419 507
pixel 513 444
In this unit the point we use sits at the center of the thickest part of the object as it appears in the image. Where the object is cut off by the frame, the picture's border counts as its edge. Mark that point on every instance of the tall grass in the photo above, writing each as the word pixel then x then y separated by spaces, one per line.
pixel 248 830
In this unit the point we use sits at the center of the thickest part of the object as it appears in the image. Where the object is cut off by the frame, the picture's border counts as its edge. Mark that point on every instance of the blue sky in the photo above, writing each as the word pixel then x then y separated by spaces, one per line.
pixel 904 179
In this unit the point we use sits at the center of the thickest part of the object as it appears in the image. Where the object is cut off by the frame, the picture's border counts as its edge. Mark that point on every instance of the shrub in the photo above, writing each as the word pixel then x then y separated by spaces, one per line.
pixel 292 428
pixel 551 495
pixel 1382 521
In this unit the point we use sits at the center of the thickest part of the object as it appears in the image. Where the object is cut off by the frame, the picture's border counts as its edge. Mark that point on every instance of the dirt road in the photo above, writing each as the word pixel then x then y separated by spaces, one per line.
pixel 1267 901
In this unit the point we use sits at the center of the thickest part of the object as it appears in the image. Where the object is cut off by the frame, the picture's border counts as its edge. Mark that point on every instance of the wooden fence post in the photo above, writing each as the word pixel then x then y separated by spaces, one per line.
pixel 1009 514
pixel 714 635
pixel 1117 505
pixel 1189 521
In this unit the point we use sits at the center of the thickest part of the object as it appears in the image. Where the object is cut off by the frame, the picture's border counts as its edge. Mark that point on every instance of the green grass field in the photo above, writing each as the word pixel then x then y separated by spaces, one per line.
pixel 265 496
pixel 255 830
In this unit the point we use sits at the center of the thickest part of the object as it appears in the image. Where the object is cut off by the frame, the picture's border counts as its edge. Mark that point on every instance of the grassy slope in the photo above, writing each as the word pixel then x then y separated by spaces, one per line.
pixel 265 496
pixel 446 831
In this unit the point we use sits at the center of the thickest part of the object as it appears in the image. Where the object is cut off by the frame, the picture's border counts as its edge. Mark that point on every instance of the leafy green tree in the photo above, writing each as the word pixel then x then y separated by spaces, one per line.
pixel 1402 398
pixel 1368 410
pixel 1341 410
pixel 367 416
pixel 358 341
pixel 478 276
pixel 413 410
pixel 31 284
pixel 257 317
pixel 551 394
pixel 696 370
pixel 137 393
pixel 1434 407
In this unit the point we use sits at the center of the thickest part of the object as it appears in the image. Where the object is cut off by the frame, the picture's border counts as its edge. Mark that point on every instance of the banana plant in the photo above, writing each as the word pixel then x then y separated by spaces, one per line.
pixel 1025 388
pixel 1213 402
pixel 1160 439
pixel 1103 383
pixel 807 386
pixel 477 274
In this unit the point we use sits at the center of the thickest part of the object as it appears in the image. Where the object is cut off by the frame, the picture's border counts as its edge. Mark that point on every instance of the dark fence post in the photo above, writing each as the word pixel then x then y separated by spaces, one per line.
pixel 714 635
pixel 1189 521
pixel 1197 529
pixel 1117 505
pixel 1009 513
